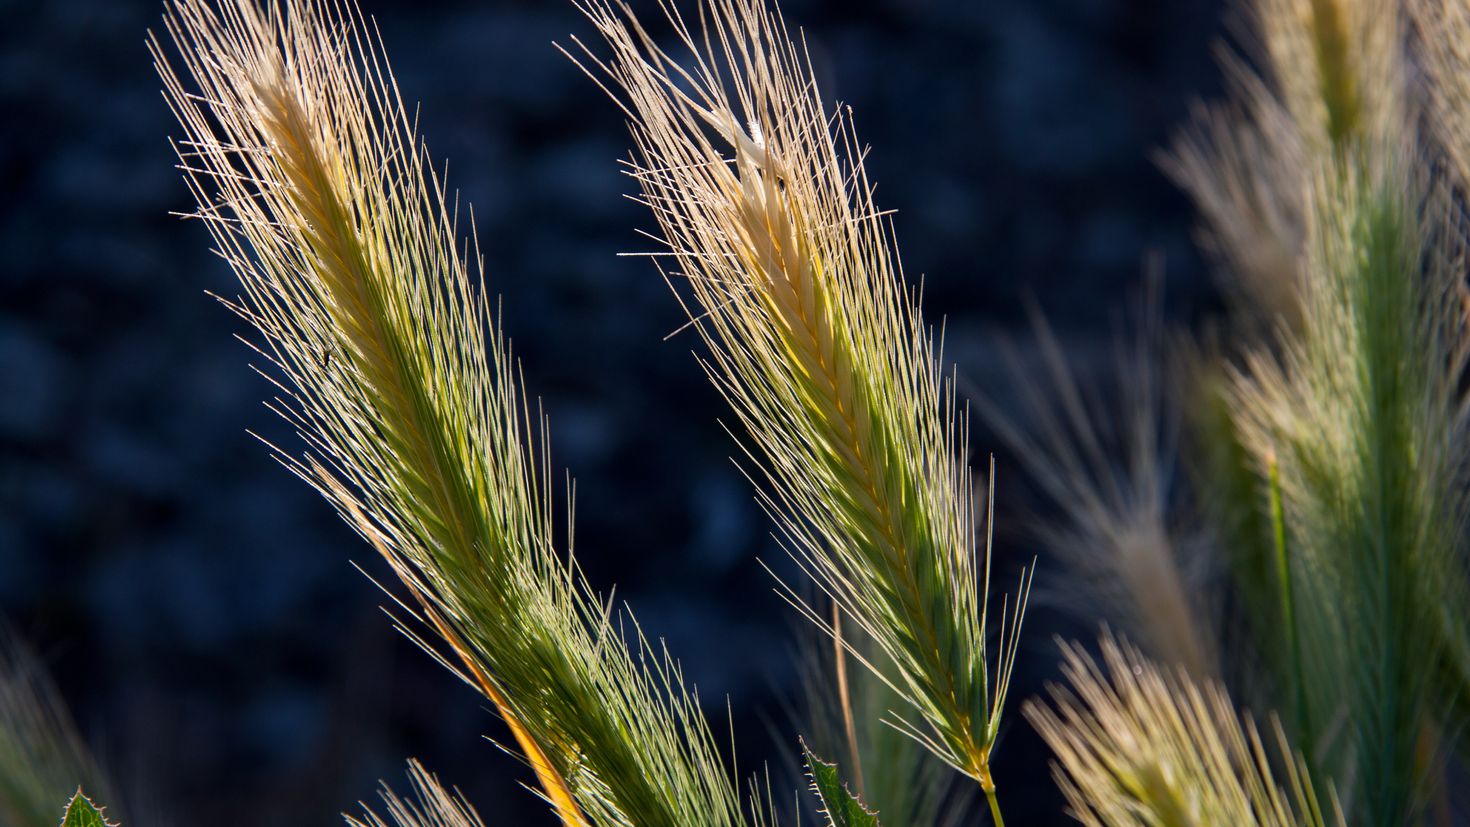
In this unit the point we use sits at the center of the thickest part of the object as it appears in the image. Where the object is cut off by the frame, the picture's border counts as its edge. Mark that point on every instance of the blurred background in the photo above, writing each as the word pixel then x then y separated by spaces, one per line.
pixel 198 605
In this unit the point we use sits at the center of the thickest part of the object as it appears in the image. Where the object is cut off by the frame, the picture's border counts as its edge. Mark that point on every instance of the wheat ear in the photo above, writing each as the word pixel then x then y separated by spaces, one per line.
pixel 763 202
pixel 308 173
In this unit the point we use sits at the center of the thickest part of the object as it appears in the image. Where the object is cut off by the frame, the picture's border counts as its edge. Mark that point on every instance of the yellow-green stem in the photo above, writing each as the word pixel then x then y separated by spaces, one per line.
pixel 844 695
pixel 994 808
pixel 987 783
pixel 1288 602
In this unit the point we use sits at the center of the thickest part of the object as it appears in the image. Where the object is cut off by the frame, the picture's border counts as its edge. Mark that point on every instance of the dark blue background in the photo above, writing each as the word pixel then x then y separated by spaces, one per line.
pixel 197 603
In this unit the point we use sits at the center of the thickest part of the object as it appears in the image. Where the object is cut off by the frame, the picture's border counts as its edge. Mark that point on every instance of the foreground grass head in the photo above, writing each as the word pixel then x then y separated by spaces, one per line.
pixel 767 213
pixel 310 178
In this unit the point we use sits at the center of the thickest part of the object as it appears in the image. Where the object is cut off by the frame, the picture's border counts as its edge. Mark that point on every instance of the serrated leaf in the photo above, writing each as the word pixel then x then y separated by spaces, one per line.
pixel 81 812
pixel 843 809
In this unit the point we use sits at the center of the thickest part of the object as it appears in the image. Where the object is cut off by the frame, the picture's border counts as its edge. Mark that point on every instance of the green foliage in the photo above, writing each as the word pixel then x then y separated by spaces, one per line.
pixel 842 808
pixel 81 812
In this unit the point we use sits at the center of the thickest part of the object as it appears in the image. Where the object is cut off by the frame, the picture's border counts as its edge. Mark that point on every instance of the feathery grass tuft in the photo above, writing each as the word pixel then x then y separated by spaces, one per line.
pixel 1136 743
pixel 1348 412
pixel 1106 464
pixel 1361 413
pixel 1334 65
pixel 1243 164
pixel 1442 27
pixel 762 200
pixel 1442 30
pixel 310 177
pixel 82 812
pixel 1318 77
pixel 431 805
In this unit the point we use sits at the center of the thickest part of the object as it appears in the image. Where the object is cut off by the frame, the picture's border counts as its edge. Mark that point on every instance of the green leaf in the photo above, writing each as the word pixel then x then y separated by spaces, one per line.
pixel 81 812
pixel 843 809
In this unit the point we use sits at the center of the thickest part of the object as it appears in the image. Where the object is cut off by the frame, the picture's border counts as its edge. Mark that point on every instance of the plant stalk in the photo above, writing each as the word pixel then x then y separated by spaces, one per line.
pixel 994 807
pixel 988 785
pixel 844 694
pixel 1288 602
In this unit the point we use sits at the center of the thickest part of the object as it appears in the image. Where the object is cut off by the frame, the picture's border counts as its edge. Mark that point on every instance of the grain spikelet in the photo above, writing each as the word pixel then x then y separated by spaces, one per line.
pixel 307 171
pixel 767 213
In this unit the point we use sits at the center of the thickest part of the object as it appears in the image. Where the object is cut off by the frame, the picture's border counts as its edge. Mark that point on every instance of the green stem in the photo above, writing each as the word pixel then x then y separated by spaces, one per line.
pixel 994 807
pixel 1288 602
pixel 987 783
